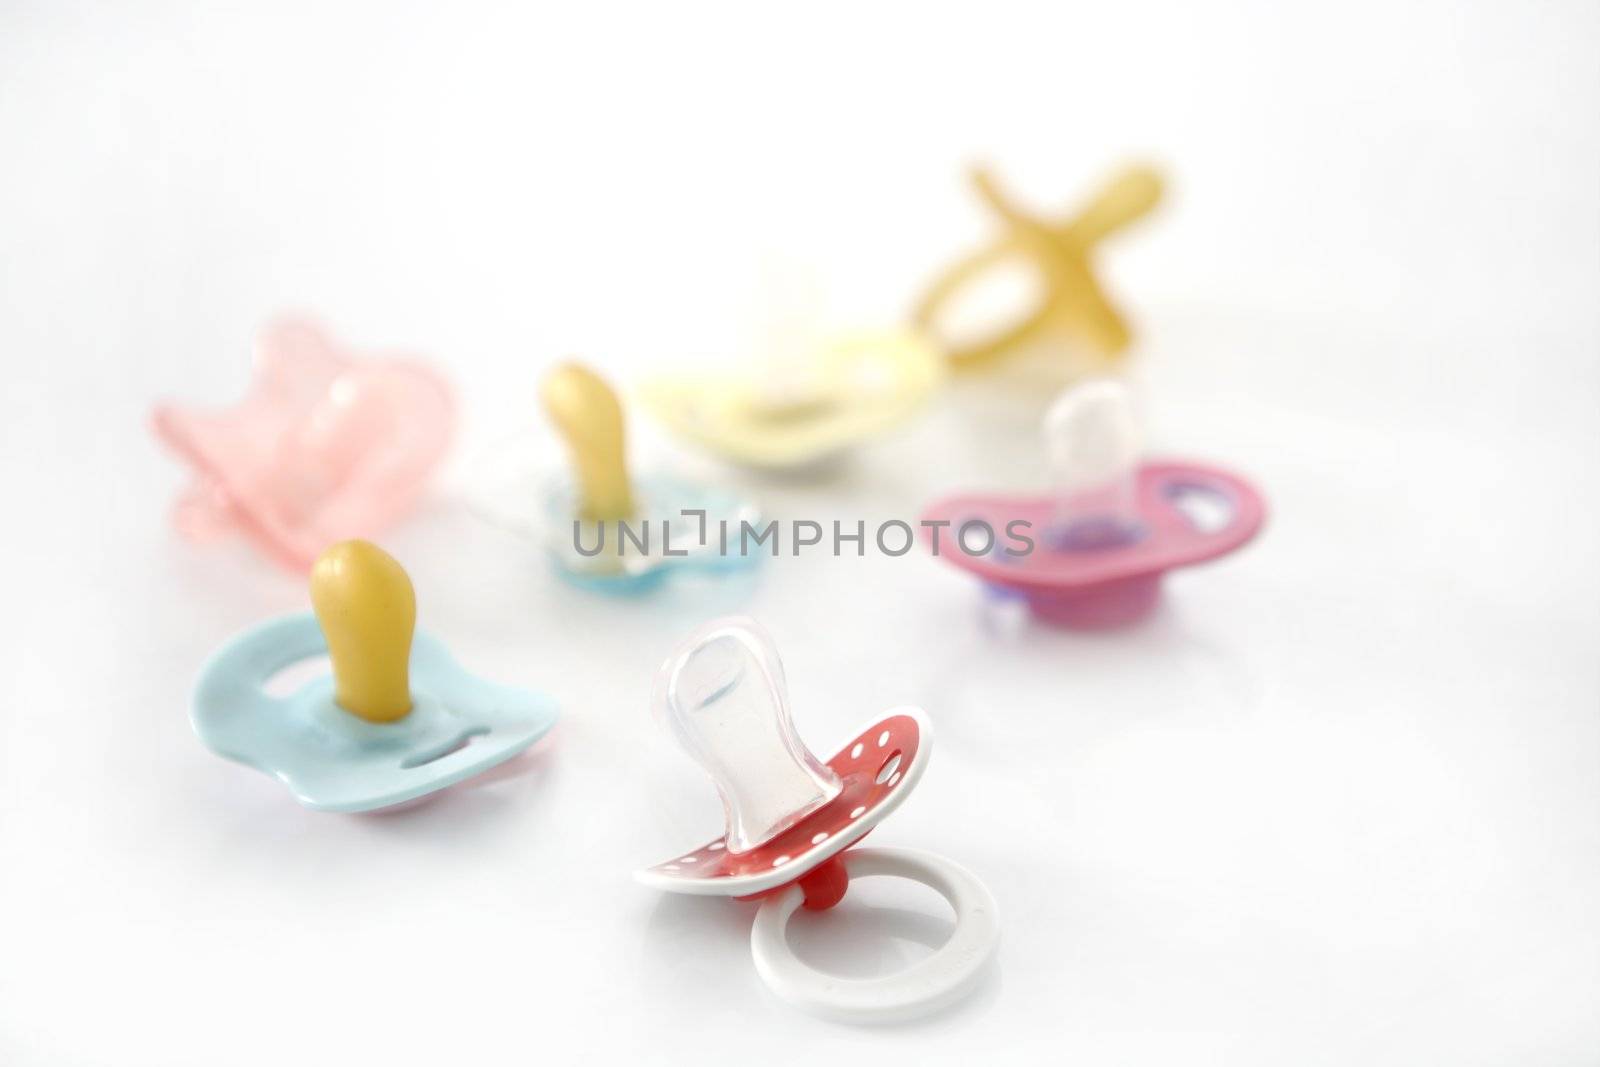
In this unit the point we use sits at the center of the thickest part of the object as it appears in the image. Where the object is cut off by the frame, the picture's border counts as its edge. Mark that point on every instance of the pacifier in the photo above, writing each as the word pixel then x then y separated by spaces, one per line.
pixel 1068 299
pixel 790 819
pixel 602 528
pixel 803 413
pixel 398 718
pixel 1093 551
pixel 323 447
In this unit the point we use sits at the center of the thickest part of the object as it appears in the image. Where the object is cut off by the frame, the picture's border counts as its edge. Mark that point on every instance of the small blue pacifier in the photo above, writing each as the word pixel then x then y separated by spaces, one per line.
pixel 398 719
pixel 602 529
pixel 674 527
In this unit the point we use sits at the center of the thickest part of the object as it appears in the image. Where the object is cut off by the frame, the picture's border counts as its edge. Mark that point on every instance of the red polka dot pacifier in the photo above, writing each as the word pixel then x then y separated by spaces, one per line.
pixel 790 818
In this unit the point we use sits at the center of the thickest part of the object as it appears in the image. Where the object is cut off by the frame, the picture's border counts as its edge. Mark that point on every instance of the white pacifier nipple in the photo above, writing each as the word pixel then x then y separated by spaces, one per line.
pixel 724 698
pixel 787 384
pixel 1094 444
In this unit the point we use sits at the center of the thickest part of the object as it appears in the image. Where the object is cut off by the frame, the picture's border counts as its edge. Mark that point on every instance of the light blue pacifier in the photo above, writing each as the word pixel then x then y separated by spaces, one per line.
pixel 398 719
pixel 673 527
pixel 603 530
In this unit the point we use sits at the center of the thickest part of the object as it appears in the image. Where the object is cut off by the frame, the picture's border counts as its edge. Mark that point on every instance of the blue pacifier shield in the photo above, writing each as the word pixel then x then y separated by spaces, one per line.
pixel 635 556
pixel 331 760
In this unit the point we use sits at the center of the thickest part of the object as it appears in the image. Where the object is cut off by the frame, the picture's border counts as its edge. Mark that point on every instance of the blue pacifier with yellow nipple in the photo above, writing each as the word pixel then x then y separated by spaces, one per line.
pixel 398 719
pixel 602 528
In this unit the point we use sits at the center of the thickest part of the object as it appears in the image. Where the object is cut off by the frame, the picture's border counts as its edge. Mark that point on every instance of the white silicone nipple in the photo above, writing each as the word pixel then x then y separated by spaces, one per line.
pixel 723 697
pixel 787 383
pixel 1094 444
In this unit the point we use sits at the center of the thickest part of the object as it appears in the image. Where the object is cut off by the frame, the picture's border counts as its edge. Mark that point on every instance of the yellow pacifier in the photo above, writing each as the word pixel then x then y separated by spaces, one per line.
pixel 803 413
pixel 1070 301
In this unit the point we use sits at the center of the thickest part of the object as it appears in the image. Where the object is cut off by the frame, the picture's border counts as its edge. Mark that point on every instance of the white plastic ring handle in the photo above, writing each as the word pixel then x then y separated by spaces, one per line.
pixel 926 986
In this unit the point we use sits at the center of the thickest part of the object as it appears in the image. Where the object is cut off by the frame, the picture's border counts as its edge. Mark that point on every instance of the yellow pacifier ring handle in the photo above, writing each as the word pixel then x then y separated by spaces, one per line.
pixel 367 610
pixel 1071 300
pixel 589 417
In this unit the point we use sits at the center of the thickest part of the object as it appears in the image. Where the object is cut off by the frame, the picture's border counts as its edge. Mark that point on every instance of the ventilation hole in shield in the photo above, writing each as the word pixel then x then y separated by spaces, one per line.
pixel 1207 509
pixel 288 679
pixel 440 751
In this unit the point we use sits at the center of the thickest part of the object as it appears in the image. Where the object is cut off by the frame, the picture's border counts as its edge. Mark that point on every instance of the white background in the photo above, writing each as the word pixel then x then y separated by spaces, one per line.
pixel 1337 802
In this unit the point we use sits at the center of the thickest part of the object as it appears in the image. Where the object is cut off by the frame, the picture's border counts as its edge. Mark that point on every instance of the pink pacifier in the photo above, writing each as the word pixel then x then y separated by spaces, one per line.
pixel 324 447
pixel 1092 553
pixel 790 819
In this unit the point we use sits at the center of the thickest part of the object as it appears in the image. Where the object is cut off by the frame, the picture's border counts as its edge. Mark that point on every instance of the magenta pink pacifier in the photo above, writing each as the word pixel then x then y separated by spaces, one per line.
pixel 1092 553
pixel 323 448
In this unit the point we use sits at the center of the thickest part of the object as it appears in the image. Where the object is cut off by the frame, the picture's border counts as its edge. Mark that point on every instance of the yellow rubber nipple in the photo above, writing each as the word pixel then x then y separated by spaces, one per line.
pixel 588 415
pixel 367 609
pixel 1071 300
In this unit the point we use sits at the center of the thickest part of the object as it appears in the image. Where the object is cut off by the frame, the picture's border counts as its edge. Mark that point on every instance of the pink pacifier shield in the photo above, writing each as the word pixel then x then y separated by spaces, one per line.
pixel 1111 582
pixel 877 770
pixel 322 448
